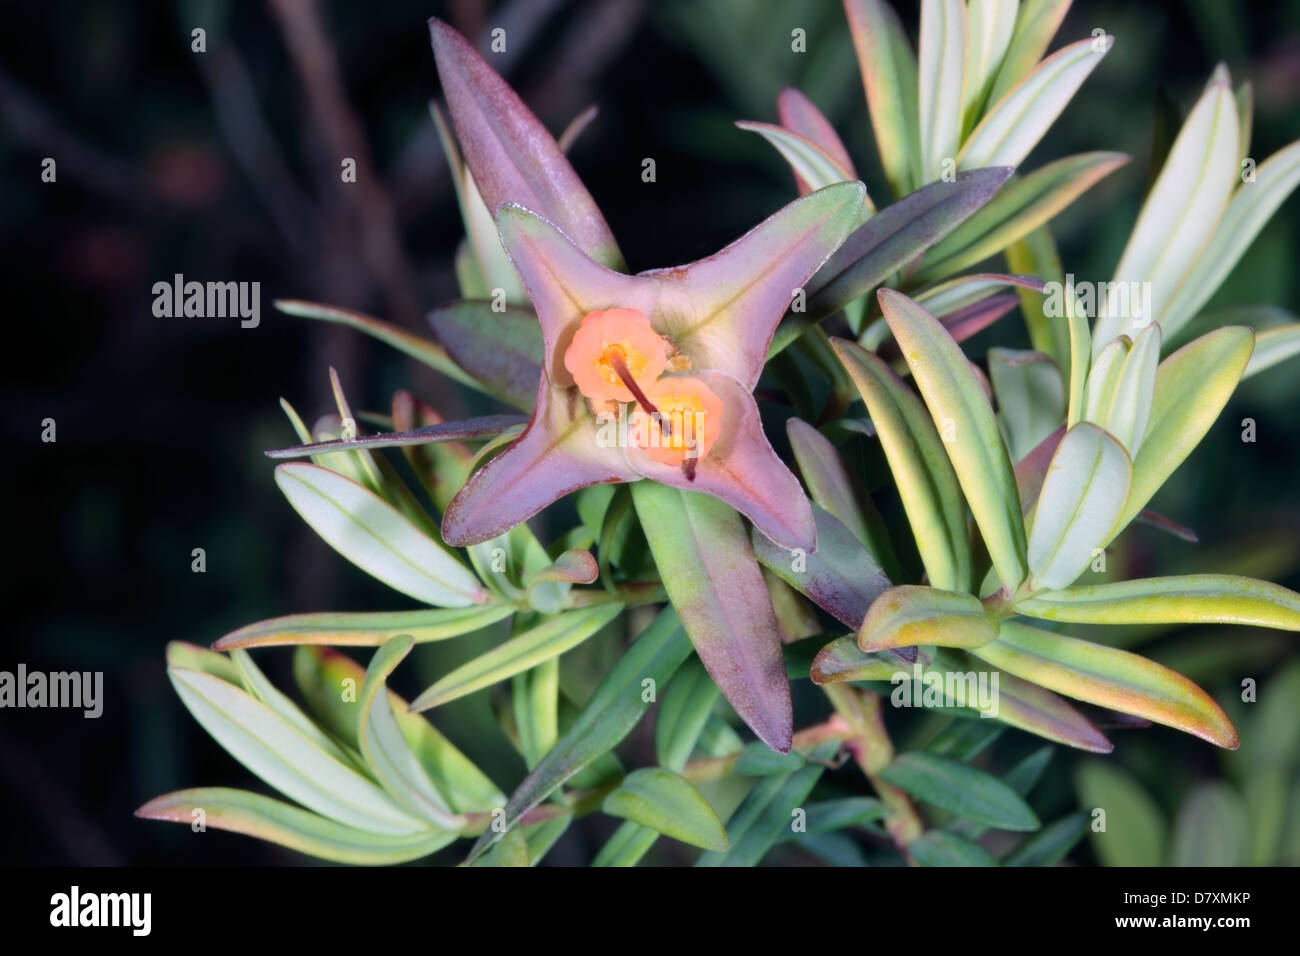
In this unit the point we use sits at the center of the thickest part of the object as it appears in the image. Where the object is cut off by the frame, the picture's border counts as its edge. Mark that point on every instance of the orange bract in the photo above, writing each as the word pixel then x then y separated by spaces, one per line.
pixel 603 341
pixel 694 421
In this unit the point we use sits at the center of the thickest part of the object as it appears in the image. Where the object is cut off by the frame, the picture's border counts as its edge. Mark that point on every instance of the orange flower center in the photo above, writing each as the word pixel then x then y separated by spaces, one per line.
pixel 683 425
pixel 614 354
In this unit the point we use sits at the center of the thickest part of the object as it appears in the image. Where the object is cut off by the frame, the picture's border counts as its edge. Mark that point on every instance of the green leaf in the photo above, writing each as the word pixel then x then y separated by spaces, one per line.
pixel 709 570
pixel 767 813
pixel 279 753
pixel 387 753
pixel 888 68
pixel 1135 833
pixel 756 760
pixel 1016 122
pixel 1036 24
pixel 831 816
pixel 843 660
pixel 422 350
pixel 989 26
pixel 510 850
pixel 365 629
pixel 257 684
pixel 1036 255
pixel 1108 677
pixel 666 802
pixel 1130 403
pixel 1181 213
pixel 941 54
pixel 1017 210
pixel 377 538
pixel 1031 397
pixel 552 637
pixel 1192 387
pixel 960 790
pixel 1212 828
pixel 325 677
pixel 192 657
pixel 1177 599
pixel 1051 844
pixel 501 349
pixel 282 823
pixel 627 846
pixel 1273 346
pixel 926 481
pixel 961 410
pixel 1086 485
pixel 811 164
pixel 606 718
pixel 910 615
pixel 1103 377
pixel 1251 206
pixel 938 848
pixel 681 717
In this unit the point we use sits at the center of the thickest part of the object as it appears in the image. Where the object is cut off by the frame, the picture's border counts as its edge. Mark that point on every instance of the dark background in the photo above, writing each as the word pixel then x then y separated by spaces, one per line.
pixel 225 166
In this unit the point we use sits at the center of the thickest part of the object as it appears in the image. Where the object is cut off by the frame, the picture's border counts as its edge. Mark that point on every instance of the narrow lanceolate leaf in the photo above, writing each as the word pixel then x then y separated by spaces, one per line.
pixel 812 166
pixel 1130 402
pixel 1135 833
pixel 261 687
pixel 192 657
pixel 324 677
pixel 551 638
pixel 607 717
pixel 485 427
pixel 667 802
pixel 1110 678
pixel 1272 347
pixel 510 154
pixel 941 58
pixel 1031 397
pixel 284 758
pixel 709 570
pixel 989 26
pixel 1179 599
pixel 894 237
pixel 501 349
pixel 387 753
pixel 1085 488
pixel 1099 392
pixel 843 660
pixel 1036 24
pixel 926 481
pixel 1192 387
pixel 1014 124
pixel 965 421
pixel 1052 843
pixel 1180 215
pixel 365 629
pixel 377 538
pixel 627 846
pixel 765 815
pixel 841 577
pixel 961 790
pixel 421 350
pixel 1036 254
pixel 282 823
pixel 1016 211
pixel 1252 205
pixel 910 615
pixel 888 68
pixel 945 298
pixel 1212 829
pixel 940 848
pixel 681 717
pixel 800 115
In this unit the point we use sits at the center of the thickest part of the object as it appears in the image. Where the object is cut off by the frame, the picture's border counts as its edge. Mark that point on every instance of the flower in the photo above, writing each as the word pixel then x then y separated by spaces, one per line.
pixel 644 376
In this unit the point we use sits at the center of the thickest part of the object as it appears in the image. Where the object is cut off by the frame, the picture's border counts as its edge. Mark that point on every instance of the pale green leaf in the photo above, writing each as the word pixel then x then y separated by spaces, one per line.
pixel 940 67
pixel 910 615
pixel 668 803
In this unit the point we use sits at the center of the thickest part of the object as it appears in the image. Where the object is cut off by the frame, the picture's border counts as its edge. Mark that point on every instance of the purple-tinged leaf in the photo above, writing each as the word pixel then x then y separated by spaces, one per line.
pixel 800 115
pixel 366 629
pixel 843 660
pixel 898 234
pixel 577 126
pixel 441 466
pixel 509 152
pixel 486 426
pixel 889 78
pixel 812 166
pixel 713 580
pixel 1168 525
pixel 503 350
pixel 841 577
pixel 1032 469
pixel 911 615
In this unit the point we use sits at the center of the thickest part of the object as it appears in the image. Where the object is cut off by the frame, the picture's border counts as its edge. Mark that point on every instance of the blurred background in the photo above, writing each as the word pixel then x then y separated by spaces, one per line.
pixel 224 165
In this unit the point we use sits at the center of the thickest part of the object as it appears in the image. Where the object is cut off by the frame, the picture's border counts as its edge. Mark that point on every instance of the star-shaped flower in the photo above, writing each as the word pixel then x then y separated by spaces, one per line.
pixel 645 376
pixel 650 376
